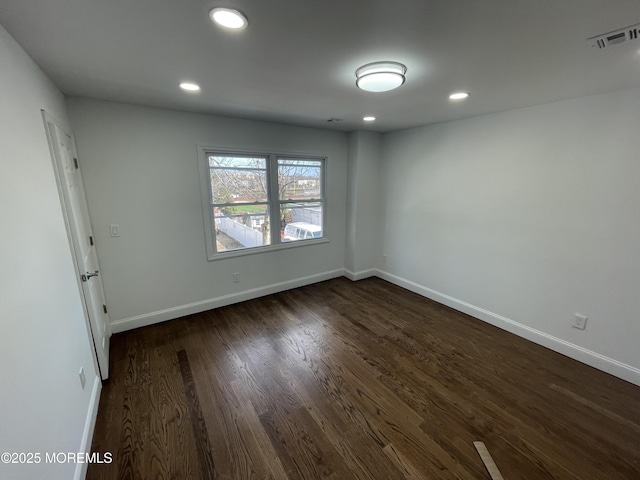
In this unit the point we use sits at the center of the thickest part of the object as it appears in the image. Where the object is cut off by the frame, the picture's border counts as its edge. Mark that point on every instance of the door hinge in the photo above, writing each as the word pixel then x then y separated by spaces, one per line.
pixel 104 307
pixel 91 240
pixel 75 163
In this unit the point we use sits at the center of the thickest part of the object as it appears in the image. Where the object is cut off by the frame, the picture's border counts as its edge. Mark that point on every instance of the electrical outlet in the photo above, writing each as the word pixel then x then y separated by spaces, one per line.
pixel 579 322
pixel 114 230
pixel 236 278
pixel 83 379
pixel 384 259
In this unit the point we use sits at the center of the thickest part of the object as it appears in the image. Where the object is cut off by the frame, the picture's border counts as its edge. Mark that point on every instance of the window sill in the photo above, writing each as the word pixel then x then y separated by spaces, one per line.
pixel 266 249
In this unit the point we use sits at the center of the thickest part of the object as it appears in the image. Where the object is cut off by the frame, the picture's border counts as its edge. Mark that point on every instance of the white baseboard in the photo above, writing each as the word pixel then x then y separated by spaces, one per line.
pixel 89 426
pixel 362 274
pixel 596 360
pixel 197 307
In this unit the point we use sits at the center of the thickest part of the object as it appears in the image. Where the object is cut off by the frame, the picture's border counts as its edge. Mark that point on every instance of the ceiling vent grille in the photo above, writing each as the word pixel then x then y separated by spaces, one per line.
pixel 617 36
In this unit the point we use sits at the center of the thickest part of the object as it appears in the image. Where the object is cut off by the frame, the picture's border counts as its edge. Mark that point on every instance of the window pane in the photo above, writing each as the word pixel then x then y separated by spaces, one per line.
pixel 235 185
pixel 236 162
pixel 300 221
pixel 242 206
pixel 243 226
pixel 299 179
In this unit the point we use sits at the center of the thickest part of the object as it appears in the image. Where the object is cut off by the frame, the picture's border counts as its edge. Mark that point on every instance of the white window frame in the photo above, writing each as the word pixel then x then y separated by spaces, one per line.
pixel 273 201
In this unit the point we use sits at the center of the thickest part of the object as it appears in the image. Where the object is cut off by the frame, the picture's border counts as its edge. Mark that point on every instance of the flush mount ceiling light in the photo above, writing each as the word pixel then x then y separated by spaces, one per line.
pixel 190 87
pixel 380 76
pixel 459 96
pixel 369 118
pixel 228 18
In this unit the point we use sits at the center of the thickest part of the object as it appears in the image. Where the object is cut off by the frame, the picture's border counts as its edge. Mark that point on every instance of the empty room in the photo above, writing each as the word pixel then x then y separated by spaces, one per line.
pixel 357 239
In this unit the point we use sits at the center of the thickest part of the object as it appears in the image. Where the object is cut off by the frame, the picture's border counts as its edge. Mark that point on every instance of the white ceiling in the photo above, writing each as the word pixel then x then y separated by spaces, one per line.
pixel 295 62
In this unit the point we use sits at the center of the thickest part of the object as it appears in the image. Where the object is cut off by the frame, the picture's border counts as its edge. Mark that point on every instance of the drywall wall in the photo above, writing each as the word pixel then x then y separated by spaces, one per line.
pixel 523 219
pixel 44 339
pixel 364 215
pixel 140 169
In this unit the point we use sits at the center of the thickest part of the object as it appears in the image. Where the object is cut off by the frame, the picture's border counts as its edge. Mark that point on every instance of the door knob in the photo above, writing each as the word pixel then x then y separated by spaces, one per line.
pixel 88 275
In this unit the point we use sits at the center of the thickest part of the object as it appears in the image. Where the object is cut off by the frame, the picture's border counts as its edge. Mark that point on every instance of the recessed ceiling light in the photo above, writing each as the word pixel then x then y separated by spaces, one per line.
pixel 228 18
pixel 459 96
pixel 190 87
pixel 380 76
pixel 369 118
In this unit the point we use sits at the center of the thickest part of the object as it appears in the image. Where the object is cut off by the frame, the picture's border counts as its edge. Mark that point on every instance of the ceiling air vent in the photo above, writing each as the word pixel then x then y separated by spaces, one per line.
pixel 617 36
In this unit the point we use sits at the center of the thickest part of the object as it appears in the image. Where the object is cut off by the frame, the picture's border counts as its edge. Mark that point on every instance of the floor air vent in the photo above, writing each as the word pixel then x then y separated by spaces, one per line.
pixel 617 36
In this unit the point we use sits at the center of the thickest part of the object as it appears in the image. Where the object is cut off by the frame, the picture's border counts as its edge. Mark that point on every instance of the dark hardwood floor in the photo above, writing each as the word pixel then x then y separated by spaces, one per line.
pixel 364 380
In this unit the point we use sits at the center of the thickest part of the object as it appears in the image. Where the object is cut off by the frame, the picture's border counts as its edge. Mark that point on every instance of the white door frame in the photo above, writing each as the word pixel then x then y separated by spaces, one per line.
pixel 93 324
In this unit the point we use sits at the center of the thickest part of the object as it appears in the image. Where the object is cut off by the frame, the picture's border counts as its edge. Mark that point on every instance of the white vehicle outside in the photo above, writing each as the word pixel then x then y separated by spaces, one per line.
pixel 301 231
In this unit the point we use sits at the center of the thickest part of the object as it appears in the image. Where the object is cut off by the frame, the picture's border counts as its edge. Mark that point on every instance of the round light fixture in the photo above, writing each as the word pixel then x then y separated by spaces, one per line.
pixel 459 96
pixel 190 87
pixel 228 18
pixel 369 118
pixel 380 76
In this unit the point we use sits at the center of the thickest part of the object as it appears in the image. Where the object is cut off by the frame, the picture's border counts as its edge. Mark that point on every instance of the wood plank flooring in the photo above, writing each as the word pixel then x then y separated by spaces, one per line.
pixel 355 380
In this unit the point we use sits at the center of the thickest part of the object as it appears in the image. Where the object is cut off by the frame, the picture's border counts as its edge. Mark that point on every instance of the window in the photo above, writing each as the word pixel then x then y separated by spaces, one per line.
pixel 260 201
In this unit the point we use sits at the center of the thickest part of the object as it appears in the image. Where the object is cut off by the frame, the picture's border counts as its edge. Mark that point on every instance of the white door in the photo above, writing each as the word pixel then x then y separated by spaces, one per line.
pixel 81 239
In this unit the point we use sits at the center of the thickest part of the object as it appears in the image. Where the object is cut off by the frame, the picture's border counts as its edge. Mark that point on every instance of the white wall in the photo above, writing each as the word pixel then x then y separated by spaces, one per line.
pixel 364 205
pixel 44 339
pixel 524 218
pixel 140 169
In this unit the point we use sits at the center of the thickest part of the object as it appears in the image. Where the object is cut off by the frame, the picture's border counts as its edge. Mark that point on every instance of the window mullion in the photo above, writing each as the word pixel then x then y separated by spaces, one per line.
pixel 274 200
